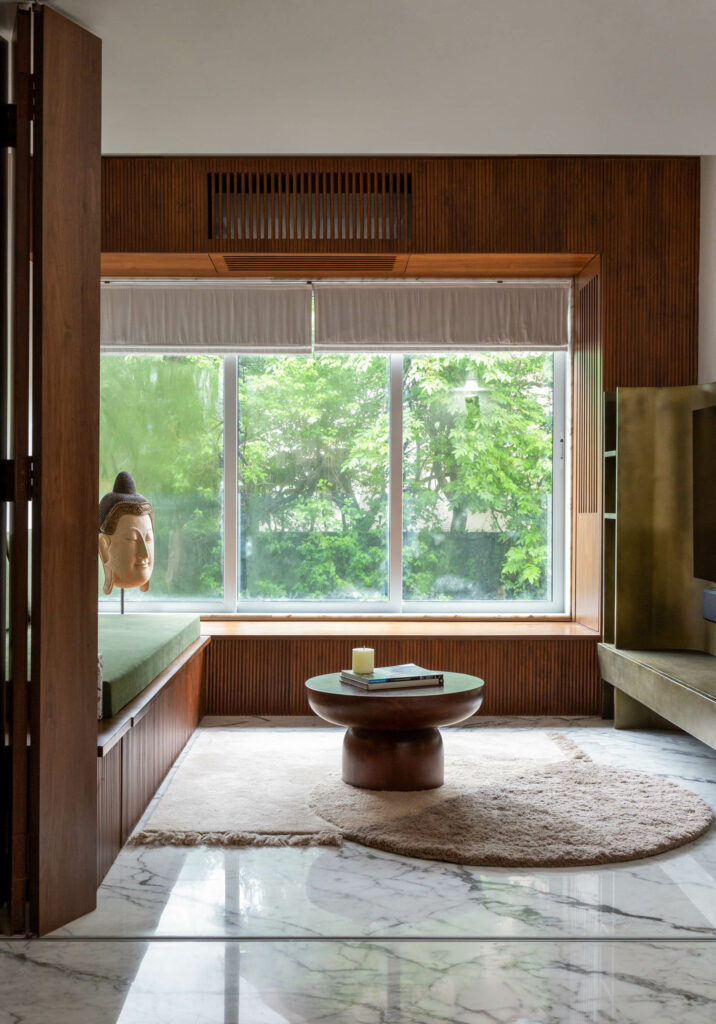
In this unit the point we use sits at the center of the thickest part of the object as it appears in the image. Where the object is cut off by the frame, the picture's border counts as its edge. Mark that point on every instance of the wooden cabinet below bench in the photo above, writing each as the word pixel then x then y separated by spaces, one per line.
pixel 137 747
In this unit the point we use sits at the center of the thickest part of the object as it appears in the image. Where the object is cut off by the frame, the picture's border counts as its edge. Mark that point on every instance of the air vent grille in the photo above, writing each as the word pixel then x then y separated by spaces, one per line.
pixel 302 263
pixel 337 205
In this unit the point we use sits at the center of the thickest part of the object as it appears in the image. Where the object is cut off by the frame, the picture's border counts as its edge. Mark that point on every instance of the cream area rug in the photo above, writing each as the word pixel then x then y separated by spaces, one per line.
pixel 513 798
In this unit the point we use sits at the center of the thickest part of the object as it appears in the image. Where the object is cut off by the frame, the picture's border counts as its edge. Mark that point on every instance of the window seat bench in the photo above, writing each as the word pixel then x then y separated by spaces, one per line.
pixel 662 689
pixel 138 744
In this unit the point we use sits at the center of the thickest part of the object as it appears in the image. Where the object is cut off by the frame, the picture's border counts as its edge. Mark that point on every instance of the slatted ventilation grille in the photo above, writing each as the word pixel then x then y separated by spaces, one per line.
pixel 317 205
pixel 303 263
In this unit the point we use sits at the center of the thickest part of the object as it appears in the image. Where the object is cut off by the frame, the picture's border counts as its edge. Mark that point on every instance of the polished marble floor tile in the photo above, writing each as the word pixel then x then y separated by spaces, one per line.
pixel 355 892
pixel 401 982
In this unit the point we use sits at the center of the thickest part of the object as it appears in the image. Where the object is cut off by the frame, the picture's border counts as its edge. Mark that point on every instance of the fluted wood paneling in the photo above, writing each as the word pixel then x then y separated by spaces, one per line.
pixel 649 271
pixel 147 204
pixel 523 675
pixel 640 214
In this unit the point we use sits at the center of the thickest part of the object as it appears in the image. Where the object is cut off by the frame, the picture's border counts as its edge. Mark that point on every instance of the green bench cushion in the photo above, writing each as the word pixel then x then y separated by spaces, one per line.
pixel 135 649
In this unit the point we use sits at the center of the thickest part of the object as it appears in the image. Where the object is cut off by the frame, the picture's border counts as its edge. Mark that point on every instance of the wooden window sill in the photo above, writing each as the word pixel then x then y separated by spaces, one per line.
pixel 366 628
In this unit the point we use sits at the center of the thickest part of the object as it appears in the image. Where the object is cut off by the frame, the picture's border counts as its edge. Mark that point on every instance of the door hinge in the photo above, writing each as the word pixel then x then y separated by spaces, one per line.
pixel 8 126
pixel 7 480
pixel 17 480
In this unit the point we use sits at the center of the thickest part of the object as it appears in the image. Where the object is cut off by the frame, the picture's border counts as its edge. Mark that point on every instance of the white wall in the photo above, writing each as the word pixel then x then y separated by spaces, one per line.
pixel 707 282
pixel 414 76
pixel 406 76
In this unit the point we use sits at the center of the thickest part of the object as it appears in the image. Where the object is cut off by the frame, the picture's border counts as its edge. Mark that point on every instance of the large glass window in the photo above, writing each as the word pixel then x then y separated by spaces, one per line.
pixel 477 477
pixel 162 419
pixel 313 478
pixel 339 483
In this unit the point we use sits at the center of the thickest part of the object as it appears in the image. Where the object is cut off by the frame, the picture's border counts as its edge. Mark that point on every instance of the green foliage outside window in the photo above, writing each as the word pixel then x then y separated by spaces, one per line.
pixel 161 418
pixel 477 477
pixel 313 477
pixel 313 458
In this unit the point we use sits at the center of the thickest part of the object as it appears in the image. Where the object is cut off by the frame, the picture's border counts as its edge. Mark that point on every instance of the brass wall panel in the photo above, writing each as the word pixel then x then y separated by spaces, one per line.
pixel 658 600
pixel 541 676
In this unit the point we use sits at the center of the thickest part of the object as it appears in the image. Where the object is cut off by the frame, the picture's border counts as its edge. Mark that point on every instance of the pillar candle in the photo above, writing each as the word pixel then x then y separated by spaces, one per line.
pixel 363 660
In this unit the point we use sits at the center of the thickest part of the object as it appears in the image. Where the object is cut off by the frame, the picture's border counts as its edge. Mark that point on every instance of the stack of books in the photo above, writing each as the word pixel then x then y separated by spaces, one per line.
pixel 394 677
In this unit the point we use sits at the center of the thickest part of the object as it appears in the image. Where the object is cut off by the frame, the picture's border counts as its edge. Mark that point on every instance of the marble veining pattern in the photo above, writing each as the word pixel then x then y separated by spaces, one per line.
pixel 337 936
pixel 362 893
pixel 86 982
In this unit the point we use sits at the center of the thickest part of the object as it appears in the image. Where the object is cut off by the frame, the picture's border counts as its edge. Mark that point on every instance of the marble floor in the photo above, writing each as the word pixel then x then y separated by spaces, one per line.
pixel 355 935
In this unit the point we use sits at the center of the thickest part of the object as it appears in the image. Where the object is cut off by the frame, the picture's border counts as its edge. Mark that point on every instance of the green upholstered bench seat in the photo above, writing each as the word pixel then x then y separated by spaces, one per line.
pixel 135 649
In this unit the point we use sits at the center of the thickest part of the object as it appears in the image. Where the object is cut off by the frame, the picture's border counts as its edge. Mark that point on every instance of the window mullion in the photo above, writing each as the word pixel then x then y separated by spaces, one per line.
pixel 231 502
pixel 559 480
pixel 395 575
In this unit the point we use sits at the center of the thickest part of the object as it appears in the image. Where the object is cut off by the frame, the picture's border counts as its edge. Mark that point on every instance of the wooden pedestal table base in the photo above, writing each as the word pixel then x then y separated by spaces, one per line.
pixel 393 741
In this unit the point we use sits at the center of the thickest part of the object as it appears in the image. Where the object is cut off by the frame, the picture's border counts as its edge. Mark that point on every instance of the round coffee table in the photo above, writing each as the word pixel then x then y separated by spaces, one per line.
pixel 393 741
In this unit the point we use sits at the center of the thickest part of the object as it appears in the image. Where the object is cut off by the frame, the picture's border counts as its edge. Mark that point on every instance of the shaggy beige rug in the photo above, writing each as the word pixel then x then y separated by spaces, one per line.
pixel 517 798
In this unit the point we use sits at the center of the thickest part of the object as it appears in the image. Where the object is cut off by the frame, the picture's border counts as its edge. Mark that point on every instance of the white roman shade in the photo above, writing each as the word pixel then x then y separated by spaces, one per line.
pixel 188 317
pixel 441 317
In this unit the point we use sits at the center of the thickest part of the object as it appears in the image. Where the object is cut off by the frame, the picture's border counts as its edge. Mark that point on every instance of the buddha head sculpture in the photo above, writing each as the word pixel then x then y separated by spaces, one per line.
pixel 126 536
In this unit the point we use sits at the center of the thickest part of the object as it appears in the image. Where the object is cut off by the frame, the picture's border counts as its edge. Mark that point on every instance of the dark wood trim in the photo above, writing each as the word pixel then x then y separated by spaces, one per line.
pixel 66 266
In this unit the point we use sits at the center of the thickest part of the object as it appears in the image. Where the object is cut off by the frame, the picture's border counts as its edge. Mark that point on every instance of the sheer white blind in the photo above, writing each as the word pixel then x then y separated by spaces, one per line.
pixel 235 317
pixel 441 317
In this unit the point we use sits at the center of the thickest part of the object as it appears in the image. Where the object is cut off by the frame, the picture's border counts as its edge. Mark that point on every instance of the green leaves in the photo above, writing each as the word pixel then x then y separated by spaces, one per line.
pixel 313 464
pixel 478 443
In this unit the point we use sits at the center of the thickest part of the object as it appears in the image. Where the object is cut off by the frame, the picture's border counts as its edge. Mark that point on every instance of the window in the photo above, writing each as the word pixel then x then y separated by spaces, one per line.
pixel 360 482
pixel 162 418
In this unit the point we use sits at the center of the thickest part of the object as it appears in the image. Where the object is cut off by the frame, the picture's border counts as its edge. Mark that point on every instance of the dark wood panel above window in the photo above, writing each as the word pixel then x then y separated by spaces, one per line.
pixel 640 214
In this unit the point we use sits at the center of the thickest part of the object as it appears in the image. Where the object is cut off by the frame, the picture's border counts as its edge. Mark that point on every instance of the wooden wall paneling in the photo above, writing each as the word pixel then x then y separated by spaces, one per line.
pixel 523 675
pixel 66 265
pixel 156 739
pixel 641 214
pixel 147 204
pixel 20 447
pixel 587 448
pixel 109 809
pixel 650 270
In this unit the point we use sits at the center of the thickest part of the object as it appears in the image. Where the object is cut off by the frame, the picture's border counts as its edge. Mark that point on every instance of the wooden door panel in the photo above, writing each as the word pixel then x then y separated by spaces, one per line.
pixel 66 268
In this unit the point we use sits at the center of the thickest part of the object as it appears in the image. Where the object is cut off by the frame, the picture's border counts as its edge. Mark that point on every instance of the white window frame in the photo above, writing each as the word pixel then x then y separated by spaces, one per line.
pixel 394 604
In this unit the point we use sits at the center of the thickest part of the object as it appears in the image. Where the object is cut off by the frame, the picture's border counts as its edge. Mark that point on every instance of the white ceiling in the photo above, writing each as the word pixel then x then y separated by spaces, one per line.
pixel 406 76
